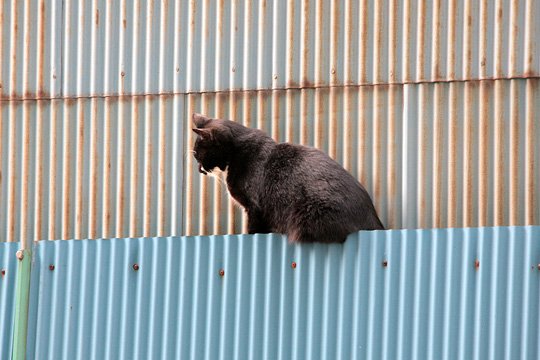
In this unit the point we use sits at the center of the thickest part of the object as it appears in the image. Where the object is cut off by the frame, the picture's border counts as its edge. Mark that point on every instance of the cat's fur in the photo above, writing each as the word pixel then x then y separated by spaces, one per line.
pixel 284 188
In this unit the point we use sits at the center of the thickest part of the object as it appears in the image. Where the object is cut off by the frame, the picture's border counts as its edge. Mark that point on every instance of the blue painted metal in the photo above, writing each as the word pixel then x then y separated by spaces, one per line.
pixel 8 275
pixel 411 294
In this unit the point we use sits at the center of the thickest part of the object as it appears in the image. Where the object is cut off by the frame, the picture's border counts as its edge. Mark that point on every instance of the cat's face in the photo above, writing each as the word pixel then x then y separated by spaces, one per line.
pixel 211 147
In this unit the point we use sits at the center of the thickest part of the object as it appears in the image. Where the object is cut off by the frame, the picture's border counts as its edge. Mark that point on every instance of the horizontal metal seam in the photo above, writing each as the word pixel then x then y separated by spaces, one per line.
pixel 126 96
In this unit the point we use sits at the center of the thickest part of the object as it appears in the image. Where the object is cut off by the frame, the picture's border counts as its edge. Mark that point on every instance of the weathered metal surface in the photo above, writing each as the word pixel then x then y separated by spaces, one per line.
pixel 30 49
pixel 8 276
pixel 77 48
pixel 88 168
pixel 432 155
pixel 412 294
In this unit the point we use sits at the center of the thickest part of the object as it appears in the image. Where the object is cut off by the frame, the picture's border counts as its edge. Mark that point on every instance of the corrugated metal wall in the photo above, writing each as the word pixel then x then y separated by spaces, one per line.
pixel 410 294
pixel 434 105
pixel 91 167
pixel 87 48
pixel 8 274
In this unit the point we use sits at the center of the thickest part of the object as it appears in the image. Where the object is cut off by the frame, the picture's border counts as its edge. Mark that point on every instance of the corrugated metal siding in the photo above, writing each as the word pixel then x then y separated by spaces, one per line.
pixel 413 294
pixel 432 155
pixel 376 84
pixel 30 49
pixel 81 48
pixel 8 273
pixel 91 167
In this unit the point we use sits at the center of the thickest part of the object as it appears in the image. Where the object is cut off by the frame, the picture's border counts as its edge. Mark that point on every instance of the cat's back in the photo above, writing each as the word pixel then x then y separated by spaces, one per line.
pixel 307 190
pixel 307 169
pixel 294 158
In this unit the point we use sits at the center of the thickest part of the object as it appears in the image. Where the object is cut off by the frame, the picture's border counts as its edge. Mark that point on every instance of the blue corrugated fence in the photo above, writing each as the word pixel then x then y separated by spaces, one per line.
pixel 409 294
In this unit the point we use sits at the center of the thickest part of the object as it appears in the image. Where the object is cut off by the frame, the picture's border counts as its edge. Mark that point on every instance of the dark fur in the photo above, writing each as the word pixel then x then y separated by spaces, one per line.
pixel 284 188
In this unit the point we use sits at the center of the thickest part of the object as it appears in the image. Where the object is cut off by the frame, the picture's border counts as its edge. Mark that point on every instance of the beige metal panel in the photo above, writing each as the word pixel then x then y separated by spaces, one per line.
pixel 94 48
pixel 90 168
pixel 431 155
pixel 30 49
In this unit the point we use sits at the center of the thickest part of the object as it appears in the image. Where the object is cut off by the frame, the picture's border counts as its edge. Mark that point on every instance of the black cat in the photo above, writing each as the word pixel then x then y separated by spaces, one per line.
pixel 284 188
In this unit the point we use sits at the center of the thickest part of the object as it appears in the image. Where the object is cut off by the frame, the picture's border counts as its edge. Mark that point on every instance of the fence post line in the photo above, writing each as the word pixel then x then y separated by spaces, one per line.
pixel 22 299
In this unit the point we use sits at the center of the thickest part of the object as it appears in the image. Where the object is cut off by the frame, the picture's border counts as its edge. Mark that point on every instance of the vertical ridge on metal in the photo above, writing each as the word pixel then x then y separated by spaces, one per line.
pixel 22 293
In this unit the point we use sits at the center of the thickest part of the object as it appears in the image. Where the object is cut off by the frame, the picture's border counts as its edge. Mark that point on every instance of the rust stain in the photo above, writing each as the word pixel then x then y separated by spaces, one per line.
pixel 41 48
pixel 364 41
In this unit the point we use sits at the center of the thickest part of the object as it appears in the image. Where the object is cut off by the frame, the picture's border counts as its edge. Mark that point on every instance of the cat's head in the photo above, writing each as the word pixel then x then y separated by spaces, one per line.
pixel 213 145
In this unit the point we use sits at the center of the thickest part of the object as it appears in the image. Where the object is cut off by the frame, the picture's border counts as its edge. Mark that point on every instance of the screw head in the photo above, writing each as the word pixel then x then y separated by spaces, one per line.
pixel 136 267
pixel 51 267
pixel 385 263
pixel 477 264
pixel 221 272
pixel 3 272
pixel 293 265
pixel 20 255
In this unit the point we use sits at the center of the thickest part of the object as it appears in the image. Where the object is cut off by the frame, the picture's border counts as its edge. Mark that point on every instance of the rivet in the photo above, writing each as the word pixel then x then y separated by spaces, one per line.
pixel 221 272
pixel 538 267
pixel 122 74
pixel 385 263
pixel 233 69
pixel 333 71
pixel 177 69
pixel 476 264
pixel 3 272
pixel 51 267
pixel 275 77
pixel 136 267
pixel 19 254
pixel 293 265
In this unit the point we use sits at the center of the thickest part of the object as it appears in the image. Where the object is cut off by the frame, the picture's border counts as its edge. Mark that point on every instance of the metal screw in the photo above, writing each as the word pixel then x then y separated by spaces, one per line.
pixel 233 69
pixel 20 255
pixel 221 272
pixel 3 272
pixel 122 74
pixel 51 267
pixel 385 263
pixel 275 77
pixel 177 69
pixel 538 267
pixel 293 265
pixel 333 71
pixel 136 267
pixel 477 264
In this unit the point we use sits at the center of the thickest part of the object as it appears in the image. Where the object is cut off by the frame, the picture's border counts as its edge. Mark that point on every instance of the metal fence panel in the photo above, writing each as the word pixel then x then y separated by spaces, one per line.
pixel 8 275
pixel 432 156
pixel 410 294
pixel 91 167
pixel 87 48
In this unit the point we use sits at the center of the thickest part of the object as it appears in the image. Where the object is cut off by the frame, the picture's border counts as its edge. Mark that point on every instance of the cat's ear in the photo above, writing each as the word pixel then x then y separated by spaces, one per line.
pixel 199 120
pixel 203 133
